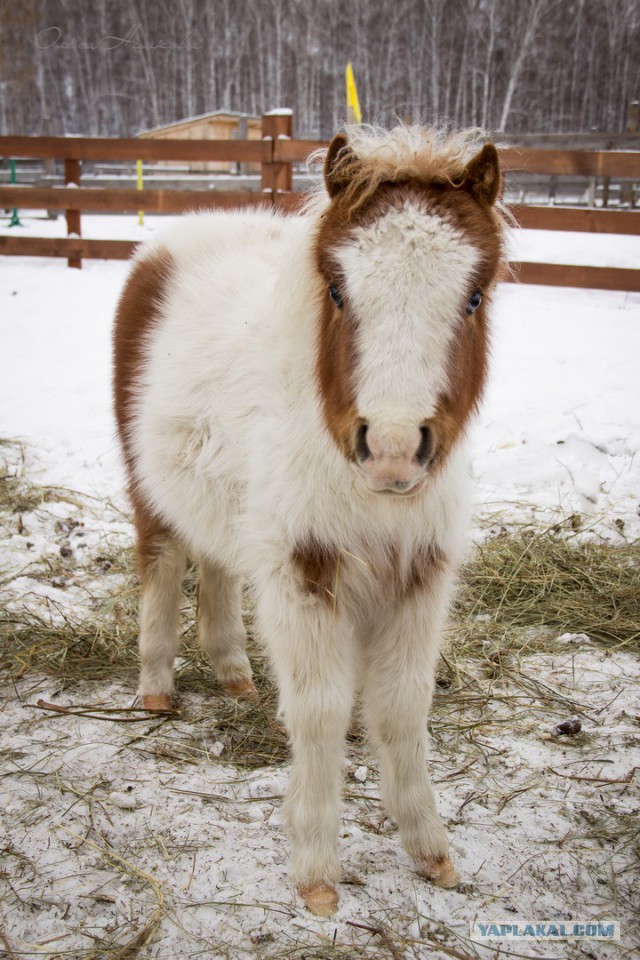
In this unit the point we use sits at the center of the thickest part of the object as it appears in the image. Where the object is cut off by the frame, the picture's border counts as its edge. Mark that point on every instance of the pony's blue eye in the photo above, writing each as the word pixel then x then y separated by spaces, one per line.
pixel 336 296
pixel 474 302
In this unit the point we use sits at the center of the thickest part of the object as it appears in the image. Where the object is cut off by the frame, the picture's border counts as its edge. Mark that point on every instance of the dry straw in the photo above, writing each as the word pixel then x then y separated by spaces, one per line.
pixel 518 592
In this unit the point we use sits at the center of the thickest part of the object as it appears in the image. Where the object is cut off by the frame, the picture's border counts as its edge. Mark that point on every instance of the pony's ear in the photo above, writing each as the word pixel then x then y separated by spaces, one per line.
pixel 482 176
pixel 340 165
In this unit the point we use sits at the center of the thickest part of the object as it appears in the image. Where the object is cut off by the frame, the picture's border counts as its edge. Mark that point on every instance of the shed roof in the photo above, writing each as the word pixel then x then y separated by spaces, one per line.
pixel 213 115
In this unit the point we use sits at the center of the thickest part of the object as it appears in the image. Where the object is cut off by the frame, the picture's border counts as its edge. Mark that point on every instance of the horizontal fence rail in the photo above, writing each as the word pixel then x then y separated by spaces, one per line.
pixel 576 219
pixel 117 200
pixel 583 163
pixel 275 155
pixel 101 148
pixel 70 247
pixel 569 275
pixel 566 163
pixel 100 200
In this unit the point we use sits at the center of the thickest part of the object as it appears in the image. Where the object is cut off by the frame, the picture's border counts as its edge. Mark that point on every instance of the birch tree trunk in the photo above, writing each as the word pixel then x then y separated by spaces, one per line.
pixel 535 10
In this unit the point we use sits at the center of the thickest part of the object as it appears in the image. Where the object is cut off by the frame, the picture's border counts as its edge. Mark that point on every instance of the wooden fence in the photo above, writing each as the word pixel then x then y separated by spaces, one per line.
pixel 276 153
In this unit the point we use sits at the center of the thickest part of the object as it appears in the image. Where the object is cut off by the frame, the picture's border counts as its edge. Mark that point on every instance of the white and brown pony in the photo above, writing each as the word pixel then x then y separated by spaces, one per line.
pixel 292 394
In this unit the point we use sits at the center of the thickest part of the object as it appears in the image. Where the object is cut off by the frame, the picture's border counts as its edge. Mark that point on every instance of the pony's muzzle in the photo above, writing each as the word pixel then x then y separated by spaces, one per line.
pixel 393 458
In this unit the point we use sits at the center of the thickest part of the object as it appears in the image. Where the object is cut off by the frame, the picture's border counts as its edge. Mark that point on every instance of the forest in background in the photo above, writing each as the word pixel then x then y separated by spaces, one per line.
pixel 116 67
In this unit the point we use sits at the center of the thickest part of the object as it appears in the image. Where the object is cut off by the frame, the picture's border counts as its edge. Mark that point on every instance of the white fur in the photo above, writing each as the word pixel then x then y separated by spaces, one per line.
pixel 232 450
pixel 407 280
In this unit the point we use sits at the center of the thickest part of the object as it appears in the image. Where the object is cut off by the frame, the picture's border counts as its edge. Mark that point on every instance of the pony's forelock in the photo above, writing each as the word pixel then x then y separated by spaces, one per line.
pixel 406 152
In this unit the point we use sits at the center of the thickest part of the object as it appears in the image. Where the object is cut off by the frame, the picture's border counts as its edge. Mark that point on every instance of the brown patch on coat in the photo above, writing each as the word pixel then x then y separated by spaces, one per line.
pixel 137 313
pixel 400 580
pixel 153 535
pixel 318 565
pixel 466 378
pixel 426 564
pixel 336 364
pixel 322 567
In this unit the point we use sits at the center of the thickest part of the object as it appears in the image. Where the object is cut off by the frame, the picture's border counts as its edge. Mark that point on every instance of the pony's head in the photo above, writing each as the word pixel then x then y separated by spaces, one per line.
pixel 409 247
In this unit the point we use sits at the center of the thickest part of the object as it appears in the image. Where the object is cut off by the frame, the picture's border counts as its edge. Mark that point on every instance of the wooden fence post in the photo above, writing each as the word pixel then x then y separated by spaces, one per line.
pixel 627 186
pixel 72 178
pixel 277 177
pixel 48 164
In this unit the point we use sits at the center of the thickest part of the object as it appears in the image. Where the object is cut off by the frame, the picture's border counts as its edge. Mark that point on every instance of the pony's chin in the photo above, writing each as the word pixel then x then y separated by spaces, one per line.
pixel 393 492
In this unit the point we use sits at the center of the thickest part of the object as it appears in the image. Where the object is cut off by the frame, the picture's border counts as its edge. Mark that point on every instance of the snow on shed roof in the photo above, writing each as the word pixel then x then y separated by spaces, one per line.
pixel 214 114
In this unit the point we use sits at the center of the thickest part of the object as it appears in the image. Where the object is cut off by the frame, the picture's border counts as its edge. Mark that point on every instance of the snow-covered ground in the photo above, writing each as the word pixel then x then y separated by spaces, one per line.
pixel 202 842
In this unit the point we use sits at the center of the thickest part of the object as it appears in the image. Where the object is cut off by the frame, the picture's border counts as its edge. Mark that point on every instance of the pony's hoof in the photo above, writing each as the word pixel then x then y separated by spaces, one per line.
pixel 241 688
pixel 157 701
pixel 320 899
pixel 440 870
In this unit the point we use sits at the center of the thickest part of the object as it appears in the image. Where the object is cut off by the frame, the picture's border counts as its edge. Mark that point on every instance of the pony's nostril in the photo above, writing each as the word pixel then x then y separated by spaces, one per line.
pixel 426 446
pixel 362 447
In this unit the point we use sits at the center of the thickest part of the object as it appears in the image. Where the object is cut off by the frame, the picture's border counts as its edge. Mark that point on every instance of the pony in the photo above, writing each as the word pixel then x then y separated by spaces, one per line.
pixel 292 395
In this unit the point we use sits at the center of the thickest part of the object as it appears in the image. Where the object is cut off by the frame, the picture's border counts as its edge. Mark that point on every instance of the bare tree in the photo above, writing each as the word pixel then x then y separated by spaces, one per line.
pixel 119 66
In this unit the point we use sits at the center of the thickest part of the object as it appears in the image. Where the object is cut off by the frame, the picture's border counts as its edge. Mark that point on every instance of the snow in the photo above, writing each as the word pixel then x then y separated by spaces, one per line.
pixel 99 825
pixel 559 432
pixel 590 249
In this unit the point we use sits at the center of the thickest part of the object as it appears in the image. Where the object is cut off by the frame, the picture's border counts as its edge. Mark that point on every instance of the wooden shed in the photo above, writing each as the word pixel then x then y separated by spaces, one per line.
pixel 219 125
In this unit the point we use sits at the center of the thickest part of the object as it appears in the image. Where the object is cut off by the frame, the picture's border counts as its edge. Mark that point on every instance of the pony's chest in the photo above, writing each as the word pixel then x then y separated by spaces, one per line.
pixel 369 575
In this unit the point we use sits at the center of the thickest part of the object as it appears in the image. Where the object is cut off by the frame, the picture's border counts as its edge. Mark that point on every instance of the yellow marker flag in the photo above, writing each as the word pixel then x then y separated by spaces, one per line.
pixel 354 113
pixel 140 187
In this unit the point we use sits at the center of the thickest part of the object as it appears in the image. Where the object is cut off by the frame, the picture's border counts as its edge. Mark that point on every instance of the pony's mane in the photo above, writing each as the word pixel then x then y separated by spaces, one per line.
pixel 406 152
pixel 411 152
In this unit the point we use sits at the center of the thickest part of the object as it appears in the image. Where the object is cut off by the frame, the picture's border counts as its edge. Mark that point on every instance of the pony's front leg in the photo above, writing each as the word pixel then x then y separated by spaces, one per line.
pixel 400 654
pixel 312 651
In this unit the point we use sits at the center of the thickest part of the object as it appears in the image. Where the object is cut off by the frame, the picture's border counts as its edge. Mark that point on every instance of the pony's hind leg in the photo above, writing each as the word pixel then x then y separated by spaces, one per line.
pixel 161 561
pixel 221 631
